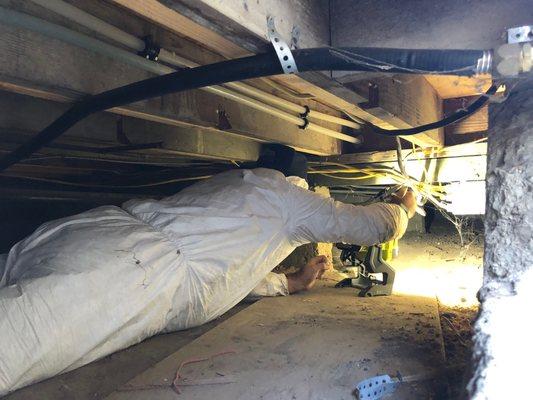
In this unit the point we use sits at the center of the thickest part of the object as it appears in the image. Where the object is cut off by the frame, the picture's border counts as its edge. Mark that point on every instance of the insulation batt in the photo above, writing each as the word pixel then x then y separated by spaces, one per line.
pixel 82 287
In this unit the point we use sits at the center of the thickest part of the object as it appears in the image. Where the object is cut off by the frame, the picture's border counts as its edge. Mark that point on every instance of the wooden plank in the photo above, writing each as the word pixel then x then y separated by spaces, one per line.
pixel 409 99
pixel 314 83
pixel 316 345
pixel 443 170
pixel 102 127
pixel 103 198
pixel 449 86
pixel 64 79
pixel 477 122
pixel 304 23
pixel 166 17
pixel 464 150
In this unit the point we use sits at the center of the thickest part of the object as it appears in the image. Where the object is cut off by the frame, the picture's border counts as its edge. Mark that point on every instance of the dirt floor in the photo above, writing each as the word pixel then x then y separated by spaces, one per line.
pixel 436 264
pixel 456 325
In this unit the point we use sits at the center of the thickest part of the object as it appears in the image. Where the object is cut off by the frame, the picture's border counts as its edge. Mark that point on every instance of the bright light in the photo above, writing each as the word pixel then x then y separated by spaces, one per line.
pixel 454 281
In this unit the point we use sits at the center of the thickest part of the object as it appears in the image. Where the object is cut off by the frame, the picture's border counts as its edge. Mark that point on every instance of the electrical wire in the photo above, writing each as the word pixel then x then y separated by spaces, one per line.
pixel 429 192
pixel 91 185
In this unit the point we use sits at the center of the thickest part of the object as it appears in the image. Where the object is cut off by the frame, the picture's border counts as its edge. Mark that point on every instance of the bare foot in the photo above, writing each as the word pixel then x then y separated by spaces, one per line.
pixel 305 278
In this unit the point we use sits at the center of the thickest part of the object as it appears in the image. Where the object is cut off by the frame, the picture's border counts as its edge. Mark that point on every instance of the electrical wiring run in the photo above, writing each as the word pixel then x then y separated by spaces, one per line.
pixel 432 192
pixel 93 185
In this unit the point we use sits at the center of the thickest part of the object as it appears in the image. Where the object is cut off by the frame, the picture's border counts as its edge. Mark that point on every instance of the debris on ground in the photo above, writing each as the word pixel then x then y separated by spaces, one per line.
pixel 456 325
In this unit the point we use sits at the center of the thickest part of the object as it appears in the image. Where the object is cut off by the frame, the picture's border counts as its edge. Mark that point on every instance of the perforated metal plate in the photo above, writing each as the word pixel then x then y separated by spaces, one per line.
pixel 520 34
pixel 282 48
pixel 375 388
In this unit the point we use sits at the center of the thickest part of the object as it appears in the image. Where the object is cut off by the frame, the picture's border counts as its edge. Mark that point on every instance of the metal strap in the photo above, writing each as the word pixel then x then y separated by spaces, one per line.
pixel 375 388
pixel 283 50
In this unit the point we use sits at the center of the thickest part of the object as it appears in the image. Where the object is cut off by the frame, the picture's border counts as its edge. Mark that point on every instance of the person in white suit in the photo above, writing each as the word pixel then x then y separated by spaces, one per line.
pixel 82 287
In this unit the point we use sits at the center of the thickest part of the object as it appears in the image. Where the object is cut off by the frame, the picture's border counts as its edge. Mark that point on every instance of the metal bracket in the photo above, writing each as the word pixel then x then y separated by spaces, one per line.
pixel 373 97
pixel 520 34
pixel 223 120
pixel 375 388
pixel 283 50
pixel 304 116
pixel 151 50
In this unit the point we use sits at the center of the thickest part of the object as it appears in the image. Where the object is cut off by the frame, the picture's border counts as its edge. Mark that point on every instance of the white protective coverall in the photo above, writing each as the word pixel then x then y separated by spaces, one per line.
pixel 82 287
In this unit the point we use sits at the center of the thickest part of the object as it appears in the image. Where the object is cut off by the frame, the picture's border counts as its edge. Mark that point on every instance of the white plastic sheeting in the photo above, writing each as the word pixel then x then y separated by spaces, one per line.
pixel 272 285
pixel 82 287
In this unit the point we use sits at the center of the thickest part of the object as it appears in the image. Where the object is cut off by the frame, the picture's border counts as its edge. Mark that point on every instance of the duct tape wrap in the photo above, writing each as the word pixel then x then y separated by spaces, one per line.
pixel 283 50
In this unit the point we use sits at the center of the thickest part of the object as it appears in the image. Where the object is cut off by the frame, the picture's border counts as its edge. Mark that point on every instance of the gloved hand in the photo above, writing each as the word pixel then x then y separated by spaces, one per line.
pixel 404 196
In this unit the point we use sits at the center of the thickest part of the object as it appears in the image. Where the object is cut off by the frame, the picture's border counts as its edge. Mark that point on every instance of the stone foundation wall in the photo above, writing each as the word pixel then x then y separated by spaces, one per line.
pixel 503 330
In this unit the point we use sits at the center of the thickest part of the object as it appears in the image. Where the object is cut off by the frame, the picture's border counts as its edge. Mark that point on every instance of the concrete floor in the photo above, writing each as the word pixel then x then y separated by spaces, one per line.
pixel 428 265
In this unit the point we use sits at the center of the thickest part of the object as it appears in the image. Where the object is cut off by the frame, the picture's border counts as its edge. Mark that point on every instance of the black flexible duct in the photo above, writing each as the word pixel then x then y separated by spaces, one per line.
pixel 458 62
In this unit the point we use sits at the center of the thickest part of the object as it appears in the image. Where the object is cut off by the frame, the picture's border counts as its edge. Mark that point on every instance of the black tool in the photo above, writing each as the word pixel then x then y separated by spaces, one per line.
pixel 369 268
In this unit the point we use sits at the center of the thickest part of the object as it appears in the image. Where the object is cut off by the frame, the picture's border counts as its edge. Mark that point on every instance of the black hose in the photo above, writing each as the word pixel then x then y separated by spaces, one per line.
pixel 460 62
pixel 407 61
pixel 455 117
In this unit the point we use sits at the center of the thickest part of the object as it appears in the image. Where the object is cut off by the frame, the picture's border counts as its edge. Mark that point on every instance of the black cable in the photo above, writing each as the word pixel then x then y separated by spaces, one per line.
pixel 461 62
pixel 455 117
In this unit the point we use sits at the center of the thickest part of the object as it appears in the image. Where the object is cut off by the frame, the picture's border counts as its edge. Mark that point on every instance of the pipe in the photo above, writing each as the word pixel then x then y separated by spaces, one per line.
pixel 97 25
pixel 260 65
pixel 35 24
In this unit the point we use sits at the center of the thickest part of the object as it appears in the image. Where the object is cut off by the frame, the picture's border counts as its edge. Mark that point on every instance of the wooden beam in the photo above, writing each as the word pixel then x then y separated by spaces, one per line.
pixel 478 122
pixel 303 23
pixel 93 198
pixel 449 86
pixel 65 79
pixel 408 100
pixel 175 22
pixel 101 130
pixel 227 17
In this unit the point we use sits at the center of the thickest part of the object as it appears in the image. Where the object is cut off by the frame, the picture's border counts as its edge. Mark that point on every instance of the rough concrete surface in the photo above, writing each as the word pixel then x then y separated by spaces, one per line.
pixel 450 24
pixel 503 330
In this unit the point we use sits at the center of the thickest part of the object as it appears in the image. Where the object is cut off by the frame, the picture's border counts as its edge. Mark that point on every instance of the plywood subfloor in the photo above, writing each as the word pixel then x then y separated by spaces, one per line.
pixel 312 346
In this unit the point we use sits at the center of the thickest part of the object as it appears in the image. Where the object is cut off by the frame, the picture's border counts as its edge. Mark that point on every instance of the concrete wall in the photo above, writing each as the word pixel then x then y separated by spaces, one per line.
pixel 503 331
pixel 460 24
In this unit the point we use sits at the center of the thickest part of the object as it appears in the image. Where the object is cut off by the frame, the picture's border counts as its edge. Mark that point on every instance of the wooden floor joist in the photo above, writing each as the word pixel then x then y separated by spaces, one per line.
pixel 63 80
pixel 228 18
